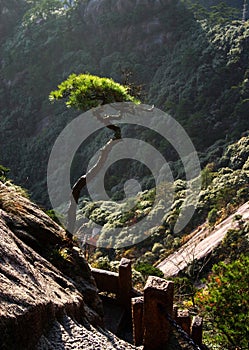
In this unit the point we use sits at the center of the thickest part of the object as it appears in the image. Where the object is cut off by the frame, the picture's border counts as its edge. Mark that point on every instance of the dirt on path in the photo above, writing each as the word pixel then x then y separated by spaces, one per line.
pixel 203 241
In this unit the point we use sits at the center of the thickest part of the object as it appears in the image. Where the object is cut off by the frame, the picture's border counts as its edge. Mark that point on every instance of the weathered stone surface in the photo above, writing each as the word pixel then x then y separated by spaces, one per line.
pixel 137 320
pixel 34 228
pixel 196 329
pixel 202 242
pixel 70 335
pixel 184 320
pixel 125 283
pixel 34 292
pixel 158 302
pixel 107 281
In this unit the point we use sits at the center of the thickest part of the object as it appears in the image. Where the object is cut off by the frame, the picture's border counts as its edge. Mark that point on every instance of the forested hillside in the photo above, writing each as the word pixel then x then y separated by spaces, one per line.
pixel 190 60
pixel 208 270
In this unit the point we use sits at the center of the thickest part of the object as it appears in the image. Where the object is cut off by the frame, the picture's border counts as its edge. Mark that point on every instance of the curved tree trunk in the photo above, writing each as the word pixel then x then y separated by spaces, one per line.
pixel 82 181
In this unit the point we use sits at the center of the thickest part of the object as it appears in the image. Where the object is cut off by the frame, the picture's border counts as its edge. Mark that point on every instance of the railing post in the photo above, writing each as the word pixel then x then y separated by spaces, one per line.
pixel 184 320
pixel 196 330
pixel 175 311
pixel 137 320
pixel 125 283
pixel 158 302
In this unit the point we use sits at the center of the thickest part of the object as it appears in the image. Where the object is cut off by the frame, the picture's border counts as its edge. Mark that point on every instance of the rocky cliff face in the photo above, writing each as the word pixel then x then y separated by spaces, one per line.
pixel 43 277
pixel 95 9
pixel 128 17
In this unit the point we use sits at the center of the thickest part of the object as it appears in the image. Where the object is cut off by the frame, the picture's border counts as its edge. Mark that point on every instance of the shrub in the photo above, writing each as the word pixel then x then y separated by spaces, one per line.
pixel 102 263
pixel 148 270
pixel 55 216
pixel 3 173
pixel 157 247
pixel 212 216
pixel 226 303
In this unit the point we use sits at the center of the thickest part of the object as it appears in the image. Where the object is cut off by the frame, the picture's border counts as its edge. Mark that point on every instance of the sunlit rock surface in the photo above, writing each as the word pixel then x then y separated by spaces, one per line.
pixel 43 277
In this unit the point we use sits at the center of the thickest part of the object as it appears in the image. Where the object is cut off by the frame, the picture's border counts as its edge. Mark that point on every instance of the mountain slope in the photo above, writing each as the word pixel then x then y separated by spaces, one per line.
pixel 196 70
pixel 48 297
pixel 202 242
pixel 43 276
pixel 225 188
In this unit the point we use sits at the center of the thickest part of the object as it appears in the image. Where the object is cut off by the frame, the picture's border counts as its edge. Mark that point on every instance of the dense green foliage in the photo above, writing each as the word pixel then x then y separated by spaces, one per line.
pixel 148 270
pixel 192 59
pixel 194 69
pixel 86 91
pixel 3 172
pixel 227 304
pixel 207 82
pixel 228 187
pixel 11 12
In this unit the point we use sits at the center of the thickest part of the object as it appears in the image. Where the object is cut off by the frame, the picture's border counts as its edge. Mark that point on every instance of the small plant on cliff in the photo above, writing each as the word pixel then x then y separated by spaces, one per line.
pixel 54 215
pixel 13 198
pixel 3 173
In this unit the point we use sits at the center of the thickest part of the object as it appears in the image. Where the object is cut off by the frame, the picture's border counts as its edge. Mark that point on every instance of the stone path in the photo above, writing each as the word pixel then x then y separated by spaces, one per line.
pixel 201 244
pixel 70 335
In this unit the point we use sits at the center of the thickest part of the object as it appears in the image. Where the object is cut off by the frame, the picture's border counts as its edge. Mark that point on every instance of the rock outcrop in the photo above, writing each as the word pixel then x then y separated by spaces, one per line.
pixel 95 9
pixel 71 335
pixel 48 297
pixel 127 19
pixel 32 292
pixel 202 243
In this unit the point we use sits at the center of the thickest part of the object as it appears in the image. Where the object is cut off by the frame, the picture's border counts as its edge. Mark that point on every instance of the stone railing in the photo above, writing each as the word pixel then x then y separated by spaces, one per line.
pixel 153 312
pixel 153 317
pixel 117 283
